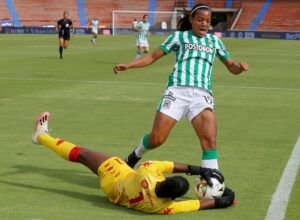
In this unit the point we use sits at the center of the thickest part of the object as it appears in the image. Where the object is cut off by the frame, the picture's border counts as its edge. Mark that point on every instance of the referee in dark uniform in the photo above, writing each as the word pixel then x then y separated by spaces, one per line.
pixel 63 28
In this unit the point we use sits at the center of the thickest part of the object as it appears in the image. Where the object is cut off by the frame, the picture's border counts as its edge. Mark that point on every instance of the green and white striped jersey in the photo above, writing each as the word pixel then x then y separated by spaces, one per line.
pixel 194 58
pixel 142 35
pixel 94 23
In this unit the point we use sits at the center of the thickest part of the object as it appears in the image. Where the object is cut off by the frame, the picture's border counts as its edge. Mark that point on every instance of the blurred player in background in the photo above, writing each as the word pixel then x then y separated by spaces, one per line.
pixel 144 189
pixel 134 24
pixel 64 27
pixel 94 25
pixel 188 93
pixel 142 29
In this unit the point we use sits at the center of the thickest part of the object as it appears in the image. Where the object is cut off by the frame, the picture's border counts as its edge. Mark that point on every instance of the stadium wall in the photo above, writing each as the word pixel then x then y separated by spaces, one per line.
pixel 256 15
pixel 260 34
pixel 225 34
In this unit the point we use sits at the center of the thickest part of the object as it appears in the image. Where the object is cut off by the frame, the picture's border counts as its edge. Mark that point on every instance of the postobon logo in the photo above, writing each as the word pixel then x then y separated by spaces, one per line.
pixel 202 48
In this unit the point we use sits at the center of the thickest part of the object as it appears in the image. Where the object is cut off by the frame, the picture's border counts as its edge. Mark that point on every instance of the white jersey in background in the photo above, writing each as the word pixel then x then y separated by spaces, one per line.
pixel 95 24
pixel 142 35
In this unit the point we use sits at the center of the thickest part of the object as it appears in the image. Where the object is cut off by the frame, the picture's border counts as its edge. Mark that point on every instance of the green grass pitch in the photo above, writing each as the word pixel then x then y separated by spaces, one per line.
pixel 257 114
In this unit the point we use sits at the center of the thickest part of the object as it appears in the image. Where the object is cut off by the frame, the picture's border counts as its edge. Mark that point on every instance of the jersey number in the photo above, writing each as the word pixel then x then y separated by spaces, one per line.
pixel 137 199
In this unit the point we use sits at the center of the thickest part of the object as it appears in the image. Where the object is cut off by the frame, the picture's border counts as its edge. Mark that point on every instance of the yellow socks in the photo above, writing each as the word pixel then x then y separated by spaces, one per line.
pixel 64 149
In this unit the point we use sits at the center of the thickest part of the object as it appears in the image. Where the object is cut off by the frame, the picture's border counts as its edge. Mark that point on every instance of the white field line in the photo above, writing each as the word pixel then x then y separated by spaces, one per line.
pixel 143 83
pixel 280 198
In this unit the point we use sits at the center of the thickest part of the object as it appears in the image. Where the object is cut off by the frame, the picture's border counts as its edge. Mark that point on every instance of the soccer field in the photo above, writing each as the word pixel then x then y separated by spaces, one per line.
pixel 257 114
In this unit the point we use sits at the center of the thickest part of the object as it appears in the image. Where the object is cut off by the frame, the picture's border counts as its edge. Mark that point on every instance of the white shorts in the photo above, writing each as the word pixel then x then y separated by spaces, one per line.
pixel 179 101
pixel 95 30
pixel 142 43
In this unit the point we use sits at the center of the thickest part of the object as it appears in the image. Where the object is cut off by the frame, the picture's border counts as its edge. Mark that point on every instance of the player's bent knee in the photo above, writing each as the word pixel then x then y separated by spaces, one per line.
pixel 156 140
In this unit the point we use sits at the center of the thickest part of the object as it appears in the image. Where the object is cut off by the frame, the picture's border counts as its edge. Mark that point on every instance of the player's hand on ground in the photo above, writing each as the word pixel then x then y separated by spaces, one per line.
pixel 226 200
pixel 244 66
pixel 120 67
pixel 208 173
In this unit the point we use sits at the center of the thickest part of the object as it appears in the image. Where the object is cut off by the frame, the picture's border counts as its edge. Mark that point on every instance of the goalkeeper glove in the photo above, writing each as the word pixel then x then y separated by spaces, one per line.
pixel 206 173
pixel 226 200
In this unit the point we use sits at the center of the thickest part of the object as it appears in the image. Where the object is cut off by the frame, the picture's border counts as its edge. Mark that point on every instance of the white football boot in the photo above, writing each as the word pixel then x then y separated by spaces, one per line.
pixel 41 126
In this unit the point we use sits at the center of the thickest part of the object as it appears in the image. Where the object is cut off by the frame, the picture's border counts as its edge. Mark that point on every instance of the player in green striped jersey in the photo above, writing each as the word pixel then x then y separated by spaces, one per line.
pixel 142 29
pixel 189 86
pixel 94 25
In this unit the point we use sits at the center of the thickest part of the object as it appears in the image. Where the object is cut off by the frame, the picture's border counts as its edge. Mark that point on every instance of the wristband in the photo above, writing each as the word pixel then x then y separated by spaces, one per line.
pixel 193 170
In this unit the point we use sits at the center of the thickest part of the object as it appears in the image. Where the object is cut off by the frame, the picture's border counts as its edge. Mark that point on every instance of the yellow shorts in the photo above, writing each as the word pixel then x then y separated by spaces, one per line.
pixel 110 173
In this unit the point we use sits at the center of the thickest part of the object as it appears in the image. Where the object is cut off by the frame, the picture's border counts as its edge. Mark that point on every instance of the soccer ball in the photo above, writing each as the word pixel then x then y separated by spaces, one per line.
pixel 204 191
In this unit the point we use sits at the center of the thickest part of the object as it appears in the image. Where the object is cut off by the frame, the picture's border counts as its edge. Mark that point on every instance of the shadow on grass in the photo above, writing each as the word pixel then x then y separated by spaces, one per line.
pixel 86 179
pixel 96 200
pixel 81 178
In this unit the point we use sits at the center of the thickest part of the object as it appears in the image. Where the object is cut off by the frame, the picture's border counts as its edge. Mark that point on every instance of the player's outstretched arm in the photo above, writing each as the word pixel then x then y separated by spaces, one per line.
pixel 226 200
pixel 206 173
pixel 144 61
pixel 235 68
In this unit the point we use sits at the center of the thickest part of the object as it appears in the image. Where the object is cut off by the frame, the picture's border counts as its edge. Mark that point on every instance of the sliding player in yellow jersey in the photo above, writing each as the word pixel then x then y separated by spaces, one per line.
pixel 144 189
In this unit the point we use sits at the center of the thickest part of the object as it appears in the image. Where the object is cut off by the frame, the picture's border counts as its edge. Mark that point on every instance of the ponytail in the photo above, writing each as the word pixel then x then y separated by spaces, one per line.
pixel 184 23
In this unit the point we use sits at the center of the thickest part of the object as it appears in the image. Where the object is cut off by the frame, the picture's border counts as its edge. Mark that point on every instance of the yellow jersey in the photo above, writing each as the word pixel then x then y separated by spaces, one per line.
pixel 136 188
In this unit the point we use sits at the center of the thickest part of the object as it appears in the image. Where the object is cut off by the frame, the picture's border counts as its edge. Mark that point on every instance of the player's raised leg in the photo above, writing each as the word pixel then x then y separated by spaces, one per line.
pixel 65 149
pixel 206 129
pixel 162 127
